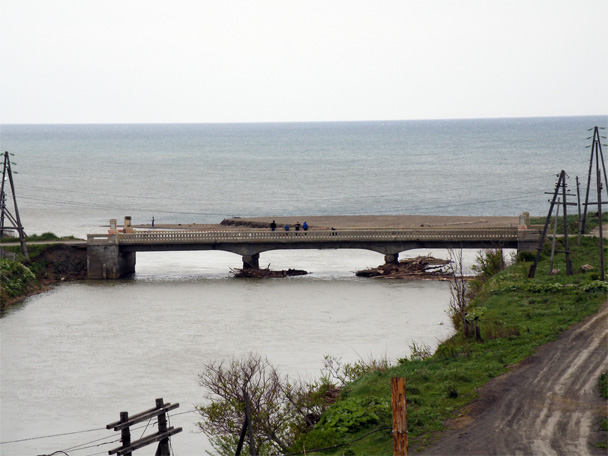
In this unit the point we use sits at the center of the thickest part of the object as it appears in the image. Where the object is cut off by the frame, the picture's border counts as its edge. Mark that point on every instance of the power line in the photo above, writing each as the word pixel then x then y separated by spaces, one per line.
pixel 53 435
pixel 183 413
pixel 78 447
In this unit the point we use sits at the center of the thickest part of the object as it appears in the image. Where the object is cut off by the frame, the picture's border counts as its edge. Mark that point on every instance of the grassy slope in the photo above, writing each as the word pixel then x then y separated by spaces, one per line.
pixel 20 278
pixel 520 315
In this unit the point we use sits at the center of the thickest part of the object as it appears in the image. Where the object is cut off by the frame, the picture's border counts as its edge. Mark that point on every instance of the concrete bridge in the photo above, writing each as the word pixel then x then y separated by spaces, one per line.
pixel 110 256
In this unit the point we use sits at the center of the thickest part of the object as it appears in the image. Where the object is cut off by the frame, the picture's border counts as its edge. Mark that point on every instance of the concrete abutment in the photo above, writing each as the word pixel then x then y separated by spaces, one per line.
pixel 107 261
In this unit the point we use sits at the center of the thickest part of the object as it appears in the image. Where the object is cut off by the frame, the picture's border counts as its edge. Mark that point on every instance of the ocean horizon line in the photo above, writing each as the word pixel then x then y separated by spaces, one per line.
pixel 447 119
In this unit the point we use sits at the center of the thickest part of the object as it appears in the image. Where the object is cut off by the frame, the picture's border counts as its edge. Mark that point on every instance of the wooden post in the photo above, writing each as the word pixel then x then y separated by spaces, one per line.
pixel 163 445
pixel 543 236
pixel 554 238
pixel 580 220
pixel 566 245
pixel 599 212
pixel 249 425
pixel 399 416
pixel 162 436
pixel 125 433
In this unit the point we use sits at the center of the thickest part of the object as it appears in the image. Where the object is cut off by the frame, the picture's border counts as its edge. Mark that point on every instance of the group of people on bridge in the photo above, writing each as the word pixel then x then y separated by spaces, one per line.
pixel 297 226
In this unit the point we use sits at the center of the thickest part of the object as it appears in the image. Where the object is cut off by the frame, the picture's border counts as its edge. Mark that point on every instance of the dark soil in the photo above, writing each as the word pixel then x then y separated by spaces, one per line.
pixel 61 262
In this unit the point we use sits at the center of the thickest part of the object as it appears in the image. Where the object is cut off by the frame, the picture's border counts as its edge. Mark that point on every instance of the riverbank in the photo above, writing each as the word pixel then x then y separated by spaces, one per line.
pixel 49 264
pixel 516 316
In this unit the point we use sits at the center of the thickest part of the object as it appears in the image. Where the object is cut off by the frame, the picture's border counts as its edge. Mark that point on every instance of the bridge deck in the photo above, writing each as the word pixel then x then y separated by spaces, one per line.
pixel 113 255
pixel 505 234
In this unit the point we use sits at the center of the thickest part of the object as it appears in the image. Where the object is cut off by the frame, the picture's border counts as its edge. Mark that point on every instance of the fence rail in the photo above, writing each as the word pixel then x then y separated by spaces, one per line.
pixel 255 236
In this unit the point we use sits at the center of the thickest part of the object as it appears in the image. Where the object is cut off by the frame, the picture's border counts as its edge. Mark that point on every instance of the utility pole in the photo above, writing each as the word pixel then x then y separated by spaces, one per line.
pixel 162 436
pixel 597 156
pixel 560 186
pixel 14 219
pixel 599 209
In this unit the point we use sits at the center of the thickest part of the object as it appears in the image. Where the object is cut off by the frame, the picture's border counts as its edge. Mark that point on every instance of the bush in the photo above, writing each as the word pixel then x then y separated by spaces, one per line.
pixel 604 385
pixel 451 391
pixel 16 278
pixel 335 369
pixel 420 352
pixel 489 262
pixel 526 256
pixel 353 414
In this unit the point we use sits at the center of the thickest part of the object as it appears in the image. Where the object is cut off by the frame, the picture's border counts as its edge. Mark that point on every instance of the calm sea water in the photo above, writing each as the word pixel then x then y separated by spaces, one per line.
pixel 74 358
pixel 73 178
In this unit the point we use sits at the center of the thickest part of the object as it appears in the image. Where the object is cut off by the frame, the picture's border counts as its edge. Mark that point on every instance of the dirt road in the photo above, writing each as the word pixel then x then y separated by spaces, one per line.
pixel 548 405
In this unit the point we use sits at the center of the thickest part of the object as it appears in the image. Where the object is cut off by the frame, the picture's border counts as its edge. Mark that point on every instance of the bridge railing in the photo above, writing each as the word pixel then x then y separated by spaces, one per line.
pixel 255 236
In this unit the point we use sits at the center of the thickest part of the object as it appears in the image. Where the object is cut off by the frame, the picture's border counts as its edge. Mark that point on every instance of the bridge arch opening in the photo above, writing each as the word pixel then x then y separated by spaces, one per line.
pixel 217 264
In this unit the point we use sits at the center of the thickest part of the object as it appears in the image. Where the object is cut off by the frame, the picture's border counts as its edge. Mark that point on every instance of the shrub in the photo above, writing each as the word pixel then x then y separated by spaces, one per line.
pixel 445 351
pixel 353 414
pixel 497 330
pixel 420 352
pixel 335 369
pixel 603 383
pixel 489 262
pixel 451 391
pixel 526 256
pixel 15 277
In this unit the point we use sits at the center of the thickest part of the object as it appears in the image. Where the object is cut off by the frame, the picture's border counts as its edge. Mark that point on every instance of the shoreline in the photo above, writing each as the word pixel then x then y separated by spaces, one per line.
pixel 326 222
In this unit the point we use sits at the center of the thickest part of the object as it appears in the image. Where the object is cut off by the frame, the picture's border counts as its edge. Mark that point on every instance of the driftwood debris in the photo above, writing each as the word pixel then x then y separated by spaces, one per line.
pixel 421 267
pixel 265 273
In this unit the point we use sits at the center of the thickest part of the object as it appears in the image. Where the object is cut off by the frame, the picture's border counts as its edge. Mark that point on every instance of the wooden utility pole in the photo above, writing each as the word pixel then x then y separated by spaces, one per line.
pixel 580 220
pixel 162 436
pixel 554 237
pixel 599 209
pixel 14 219
pixel 560 185
pixel 597 156
pixel 399 403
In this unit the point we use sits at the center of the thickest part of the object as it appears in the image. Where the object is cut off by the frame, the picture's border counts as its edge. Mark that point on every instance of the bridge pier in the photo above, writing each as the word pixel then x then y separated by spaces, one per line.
pixel 251 261
pixel 109 262
pixel 391 258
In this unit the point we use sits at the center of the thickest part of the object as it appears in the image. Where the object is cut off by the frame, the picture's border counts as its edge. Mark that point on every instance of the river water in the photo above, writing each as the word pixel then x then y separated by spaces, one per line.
pixel 75 357
pixel 72 359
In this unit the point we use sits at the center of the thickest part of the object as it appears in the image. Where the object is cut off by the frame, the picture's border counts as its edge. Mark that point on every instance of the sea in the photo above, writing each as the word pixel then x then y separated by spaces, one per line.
pixel 73 358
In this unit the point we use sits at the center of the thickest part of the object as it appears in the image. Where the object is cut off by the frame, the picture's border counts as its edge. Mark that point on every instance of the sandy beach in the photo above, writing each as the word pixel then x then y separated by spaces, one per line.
pixel 322 222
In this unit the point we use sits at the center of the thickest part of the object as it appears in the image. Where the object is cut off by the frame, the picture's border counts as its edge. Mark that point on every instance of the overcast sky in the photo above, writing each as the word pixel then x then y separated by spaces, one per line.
pixel 125 61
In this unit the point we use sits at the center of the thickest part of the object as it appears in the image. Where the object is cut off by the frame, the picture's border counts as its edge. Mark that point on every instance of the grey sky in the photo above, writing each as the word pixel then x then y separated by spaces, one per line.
pixel 115 61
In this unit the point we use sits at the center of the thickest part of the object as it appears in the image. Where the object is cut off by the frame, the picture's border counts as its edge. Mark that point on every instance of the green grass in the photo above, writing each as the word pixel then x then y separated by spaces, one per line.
pixel 591 222
pixel 34 250
pixel 38 238
pixel 18 277
pixel 520 314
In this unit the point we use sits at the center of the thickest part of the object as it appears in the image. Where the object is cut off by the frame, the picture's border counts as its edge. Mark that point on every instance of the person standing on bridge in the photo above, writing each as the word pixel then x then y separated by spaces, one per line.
pixel 287 227
pixel 305 226
pixel 297 225
pixel 273 226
